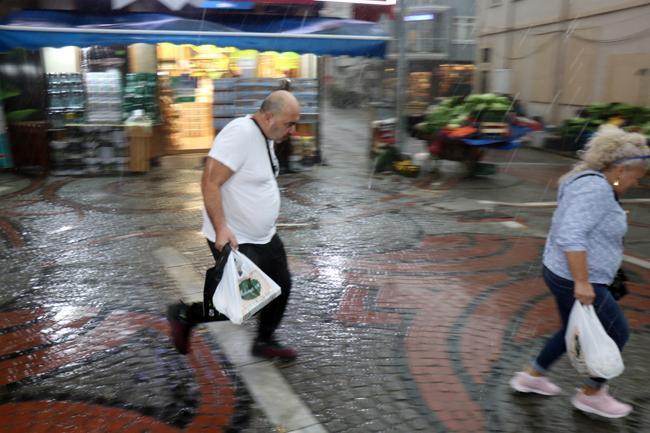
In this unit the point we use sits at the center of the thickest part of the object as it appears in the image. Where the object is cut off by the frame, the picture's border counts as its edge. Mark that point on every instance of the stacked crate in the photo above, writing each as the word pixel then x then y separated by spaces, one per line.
pixel 192 123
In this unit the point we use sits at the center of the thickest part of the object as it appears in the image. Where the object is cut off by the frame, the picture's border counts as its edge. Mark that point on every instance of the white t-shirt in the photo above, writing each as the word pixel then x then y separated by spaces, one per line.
pixel 250 197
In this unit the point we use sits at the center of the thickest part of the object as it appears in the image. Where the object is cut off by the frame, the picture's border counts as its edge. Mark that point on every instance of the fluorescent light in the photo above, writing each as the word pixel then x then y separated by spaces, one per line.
pixel 210 4
pixel 423 17
pixel 365 2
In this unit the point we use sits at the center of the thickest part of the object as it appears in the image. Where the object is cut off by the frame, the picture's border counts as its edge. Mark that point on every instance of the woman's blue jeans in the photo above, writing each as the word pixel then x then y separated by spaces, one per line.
pixel 607 309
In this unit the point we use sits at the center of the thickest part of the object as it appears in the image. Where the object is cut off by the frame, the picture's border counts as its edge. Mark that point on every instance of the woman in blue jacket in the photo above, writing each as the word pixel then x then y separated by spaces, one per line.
pixel 583 252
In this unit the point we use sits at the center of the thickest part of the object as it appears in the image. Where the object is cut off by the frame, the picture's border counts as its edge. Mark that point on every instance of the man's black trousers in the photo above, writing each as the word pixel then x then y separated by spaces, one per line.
pixel 271 258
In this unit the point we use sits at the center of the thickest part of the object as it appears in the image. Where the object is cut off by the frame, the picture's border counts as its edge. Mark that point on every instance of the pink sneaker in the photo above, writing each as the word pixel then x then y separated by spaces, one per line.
pixel 524 382
pixel 601 404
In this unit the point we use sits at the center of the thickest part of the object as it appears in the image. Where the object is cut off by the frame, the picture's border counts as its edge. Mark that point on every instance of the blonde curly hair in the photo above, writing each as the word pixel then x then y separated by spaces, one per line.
pixel 611 146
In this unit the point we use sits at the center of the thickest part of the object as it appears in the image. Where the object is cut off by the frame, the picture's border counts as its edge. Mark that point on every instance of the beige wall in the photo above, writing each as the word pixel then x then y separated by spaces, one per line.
pixel 534 66
pixel 534 12
pixel 492 18
pixel 545 12
pixel 580 8
pixel 579 78
pixel 598 60
pixel 623 83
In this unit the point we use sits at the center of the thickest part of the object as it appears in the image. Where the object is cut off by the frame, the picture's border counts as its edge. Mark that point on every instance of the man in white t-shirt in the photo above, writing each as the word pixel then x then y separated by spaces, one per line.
pixel 242 203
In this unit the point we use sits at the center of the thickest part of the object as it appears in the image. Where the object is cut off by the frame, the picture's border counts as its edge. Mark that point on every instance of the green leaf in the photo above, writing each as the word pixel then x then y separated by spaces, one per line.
pixel 20 115
pixel 6 93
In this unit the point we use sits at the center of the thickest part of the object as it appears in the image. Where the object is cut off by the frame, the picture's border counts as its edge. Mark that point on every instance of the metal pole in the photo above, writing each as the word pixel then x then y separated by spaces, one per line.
pixel 402 67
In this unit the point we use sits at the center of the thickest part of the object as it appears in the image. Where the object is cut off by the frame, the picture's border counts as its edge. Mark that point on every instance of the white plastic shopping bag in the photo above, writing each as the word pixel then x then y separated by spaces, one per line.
pixel 591 351
pixel 244 289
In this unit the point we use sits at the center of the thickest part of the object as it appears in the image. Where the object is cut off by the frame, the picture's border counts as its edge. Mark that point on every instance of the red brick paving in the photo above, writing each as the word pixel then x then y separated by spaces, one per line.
pixel 72 417
pixel 413 280
pixel 12 234
pixel 217 395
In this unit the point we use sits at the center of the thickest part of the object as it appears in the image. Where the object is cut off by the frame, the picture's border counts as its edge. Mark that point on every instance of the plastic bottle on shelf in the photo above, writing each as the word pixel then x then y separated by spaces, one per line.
pixel 140 120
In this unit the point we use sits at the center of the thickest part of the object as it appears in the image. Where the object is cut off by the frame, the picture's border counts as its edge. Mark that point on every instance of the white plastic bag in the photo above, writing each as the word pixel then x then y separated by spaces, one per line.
pixel 244 289
pixel 591 351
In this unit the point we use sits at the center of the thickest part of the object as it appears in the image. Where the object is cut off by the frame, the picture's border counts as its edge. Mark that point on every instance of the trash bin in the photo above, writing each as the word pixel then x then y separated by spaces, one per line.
pixel 29 144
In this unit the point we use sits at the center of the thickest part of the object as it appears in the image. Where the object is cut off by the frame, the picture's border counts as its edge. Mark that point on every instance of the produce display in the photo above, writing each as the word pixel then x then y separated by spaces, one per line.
pixel 630 117
pixel 459 129
pixel 454 112
pixel 406 168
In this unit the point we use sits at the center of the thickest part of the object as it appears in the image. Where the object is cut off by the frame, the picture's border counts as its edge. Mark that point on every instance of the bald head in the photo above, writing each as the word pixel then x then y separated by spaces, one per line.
pixel 278 102
pixel 278 115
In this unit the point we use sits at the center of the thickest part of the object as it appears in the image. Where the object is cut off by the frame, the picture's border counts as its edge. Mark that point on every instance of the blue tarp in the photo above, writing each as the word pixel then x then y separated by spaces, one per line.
pixel 507 143
pixel 501 144
pixel 37 29
pixel 482 141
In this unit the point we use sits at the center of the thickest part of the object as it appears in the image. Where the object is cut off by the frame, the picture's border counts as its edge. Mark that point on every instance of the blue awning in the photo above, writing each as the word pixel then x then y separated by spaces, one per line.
pixel 38 29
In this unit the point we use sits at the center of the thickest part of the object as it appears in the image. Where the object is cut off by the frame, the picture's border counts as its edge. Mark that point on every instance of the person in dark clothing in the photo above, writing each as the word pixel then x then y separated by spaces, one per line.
pixel 284 148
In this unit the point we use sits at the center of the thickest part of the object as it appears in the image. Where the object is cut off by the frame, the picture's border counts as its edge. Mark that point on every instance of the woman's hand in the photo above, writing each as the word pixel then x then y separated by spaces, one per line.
pixel 584 292
pixel 582 288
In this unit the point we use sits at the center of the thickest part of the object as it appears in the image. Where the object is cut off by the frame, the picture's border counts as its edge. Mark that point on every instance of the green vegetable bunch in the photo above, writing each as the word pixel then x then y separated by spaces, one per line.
pixel 453 112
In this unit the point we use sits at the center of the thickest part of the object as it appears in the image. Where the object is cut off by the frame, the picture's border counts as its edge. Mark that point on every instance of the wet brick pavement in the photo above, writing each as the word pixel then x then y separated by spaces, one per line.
pixel 414 301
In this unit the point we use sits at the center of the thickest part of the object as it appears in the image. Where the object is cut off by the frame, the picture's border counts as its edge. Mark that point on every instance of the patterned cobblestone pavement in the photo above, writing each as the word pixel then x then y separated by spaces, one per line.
pixel 415 300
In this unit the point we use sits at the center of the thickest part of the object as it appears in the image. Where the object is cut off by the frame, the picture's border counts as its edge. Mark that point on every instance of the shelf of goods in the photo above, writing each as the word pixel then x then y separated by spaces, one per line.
pixel 140 93
pixel 223 100
pixel 65 98
pixel 104 97
pixel 90 149
pixel 304 141
pixel 251 92
pixel 306 91
pixel 419 92
pixel 236 97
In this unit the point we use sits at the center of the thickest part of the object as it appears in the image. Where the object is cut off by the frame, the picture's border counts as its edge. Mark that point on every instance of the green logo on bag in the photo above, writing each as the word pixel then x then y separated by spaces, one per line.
pixel 249 289
pixel 578 347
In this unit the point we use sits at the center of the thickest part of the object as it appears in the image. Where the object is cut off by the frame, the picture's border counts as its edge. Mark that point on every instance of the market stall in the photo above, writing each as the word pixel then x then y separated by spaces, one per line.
pixel 204 87
pixel 200 79
pixel 460 129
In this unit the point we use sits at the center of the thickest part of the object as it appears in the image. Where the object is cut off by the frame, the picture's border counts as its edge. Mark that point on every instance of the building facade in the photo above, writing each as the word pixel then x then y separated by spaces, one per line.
pixel 438 30
pixel 557 56
pixel 440 49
